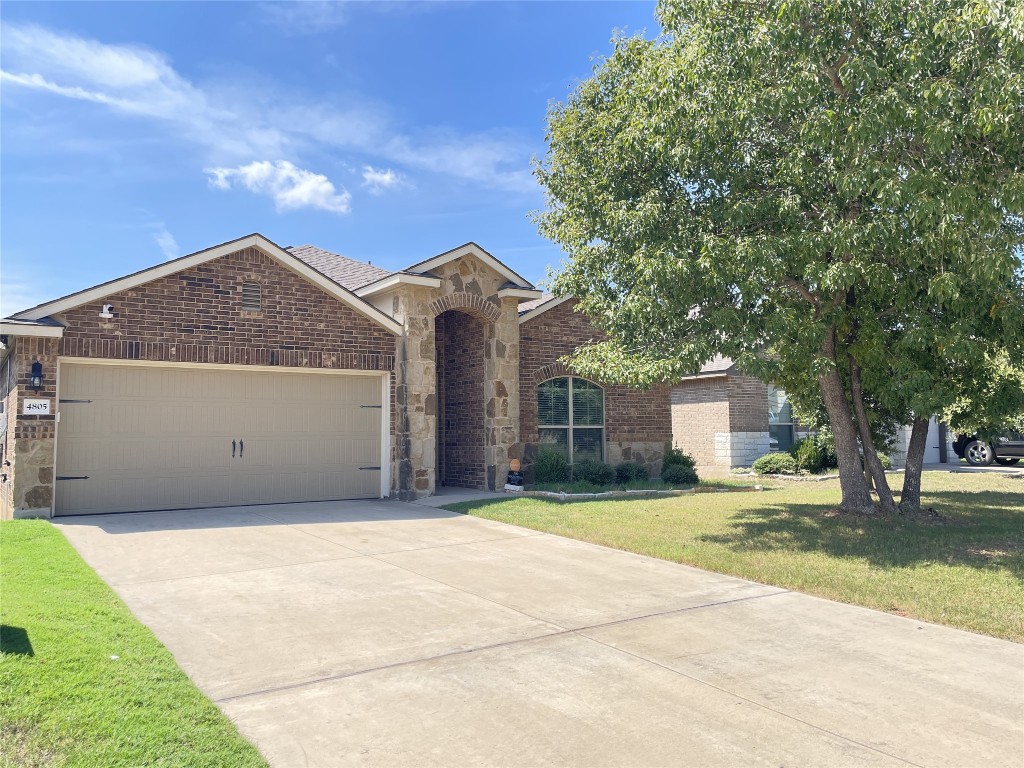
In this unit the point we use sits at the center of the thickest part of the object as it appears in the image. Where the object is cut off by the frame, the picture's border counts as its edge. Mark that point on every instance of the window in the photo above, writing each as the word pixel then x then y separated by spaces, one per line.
pixel 570 418
pixel 780 420
pixel 252 297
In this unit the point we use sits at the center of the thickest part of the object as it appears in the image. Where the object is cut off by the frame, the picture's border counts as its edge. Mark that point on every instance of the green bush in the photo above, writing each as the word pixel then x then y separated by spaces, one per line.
pixel 808 456
pixel 886 461
pixel 826 444
pixel 591 471
pixel 679 474
pixel 550 466
pixel 775 464
pixel 631 471
pixel 675 457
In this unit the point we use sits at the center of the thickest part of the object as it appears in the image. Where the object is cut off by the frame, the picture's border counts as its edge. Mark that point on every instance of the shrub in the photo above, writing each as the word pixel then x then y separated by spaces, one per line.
pixel 886 461
pixel 679 474
pixel 826 444
pixel 674 456
pixel 630 471
pixel 550 466
pixel 775 464
pixel 591 471
pixel 808 456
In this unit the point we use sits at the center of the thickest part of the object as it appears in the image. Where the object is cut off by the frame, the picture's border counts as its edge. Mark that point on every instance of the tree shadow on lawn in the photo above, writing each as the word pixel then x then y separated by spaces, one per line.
pixel 983 531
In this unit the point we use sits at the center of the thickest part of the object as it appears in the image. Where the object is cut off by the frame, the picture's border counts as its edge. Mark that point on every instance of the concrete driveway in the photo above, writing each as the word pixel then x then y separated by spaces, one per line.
pixel 386 634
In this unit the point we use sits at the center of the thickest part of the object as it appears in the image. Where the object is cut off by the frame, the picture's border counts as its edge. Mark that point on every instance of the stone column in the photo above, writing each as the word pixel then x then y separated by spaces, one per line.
pixel 416 399
pixel 501 394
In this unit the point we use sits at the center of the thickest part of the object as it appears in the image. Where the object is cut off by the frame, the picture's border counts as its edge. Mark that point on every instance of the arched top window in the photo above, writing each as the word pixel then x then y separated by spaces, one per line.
pixel 252 297
pixel 570 417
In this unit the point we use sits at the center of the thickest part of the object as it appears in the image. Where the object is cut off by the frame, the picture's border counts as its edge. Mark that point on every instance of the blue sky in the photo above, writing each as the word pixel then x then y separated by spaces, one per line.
pixel 387 131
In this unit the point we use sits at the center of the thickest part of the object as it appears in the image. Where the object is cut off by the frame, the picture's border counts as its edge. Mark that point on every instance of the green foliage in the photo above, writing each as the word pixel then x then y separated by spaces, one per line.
pixel 679 474
pixel 595 472
pixel 630 471
pixel 807 456
pixel 775 464
pixel 826 445
pixel 675 456
pixel 885 461
pixel 837 186
pixel 550 466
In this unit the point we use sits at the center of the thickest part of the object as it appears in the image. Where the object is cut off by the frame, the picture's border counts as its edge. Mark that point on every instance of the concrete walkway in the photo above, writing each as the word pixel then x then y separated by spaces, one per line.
pixel 388 634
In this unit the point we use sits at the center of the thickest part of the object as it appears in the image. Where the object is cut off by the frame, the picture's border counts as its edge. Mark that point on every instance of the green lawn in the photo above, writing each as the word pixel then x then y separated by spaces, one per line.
pixel 82 683
pixel 968 573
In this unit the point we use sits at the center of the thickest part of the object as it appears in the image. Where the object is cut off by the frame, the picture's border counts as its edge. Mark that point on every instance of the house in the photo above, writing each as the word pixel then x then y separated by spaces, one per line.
pixel 725 419
pixel 251 373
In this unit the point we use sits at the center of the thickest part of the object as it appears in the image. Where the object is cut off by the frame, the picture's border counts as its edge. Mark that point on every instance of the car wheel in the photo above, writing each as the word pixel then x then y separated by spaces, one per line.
pixel 1007 462
pixel 978 454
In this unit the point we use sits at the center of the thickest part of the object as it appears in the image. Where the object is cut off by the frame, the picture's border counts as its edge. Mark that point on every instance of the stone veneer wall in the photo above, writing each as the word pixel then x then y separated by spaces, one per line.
pixel 470 286
pixel 193 316
pixel 637 422
pixel 29 440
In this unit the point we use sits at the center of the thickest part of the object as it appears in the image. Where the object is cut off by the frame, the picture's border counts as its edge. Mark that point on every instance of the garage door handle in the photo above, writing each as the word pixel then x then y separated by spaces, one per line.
pixel 241 448
pixel 370 468
pixel 232 449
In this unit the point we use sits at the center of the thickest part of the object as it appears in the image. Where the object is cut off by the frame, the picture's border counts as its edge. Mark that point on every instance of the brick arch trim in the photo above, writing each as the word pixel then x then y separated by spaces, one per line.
pixel 466 302
pixel 550 371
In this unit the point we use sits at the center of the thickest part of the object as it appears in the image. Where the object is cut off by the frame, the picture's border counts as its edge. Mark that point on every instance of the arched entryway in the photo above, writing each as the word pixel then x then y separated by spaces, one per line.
pixel 460 340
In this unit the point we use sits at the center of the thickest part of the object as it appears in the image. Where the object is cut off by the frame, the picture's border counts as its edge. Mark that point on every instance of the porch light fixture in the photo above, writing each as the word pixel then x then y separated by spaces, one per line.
pixel 36 379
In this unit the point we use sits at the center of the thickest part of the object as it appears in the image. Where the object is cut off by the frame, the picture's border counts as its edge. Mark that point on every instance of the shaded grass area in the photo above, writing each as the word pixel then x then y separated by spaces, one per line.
pixel 65 700
pixel 968 573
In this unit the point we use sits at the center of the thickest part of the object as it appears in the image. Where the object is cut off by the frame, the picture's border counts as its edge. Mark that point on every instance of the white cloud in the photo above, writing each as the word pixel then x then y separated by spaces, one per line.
pixel 305 17
pixel 289 186
pixel 167 243
pixel 379 181
pixel 236 125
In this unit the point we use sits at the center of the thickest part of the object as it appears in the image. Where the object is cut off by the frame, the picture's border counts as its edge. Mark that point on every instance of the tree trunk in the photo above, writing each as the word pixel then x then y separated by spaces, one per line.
pixel 872 465
pixel 910 499
pixel 856 496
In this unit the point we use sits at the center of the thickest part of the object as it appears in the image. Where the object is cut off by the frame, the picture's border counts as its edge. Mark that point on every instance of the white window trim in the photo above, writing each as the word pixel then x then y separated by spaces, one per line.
pixel 603 426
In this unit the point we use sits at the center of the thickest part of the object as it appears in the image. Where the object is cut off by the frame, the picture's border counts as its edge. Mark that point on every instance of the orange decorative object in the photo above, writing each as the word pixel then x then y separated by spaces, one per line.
pixel 514 465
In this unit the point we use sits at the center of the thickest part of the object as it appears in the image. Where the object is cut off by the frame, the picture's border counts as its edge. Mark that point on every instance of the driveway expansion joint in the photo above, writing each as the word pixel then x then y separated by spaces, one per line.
pixel 561 632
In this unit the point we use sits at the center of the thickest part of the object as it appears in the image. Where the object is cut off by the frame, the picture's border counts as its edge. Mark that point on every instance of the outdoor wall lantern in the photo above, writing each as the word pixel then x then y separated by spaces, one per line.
pixel 36 379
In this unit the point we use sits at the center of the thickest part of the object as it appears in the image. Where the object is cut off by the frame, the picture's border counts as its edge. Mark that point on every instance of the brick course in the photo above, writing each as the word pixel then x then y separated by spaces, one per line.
pixel 637 422
pixel 460 394
pixel 196 316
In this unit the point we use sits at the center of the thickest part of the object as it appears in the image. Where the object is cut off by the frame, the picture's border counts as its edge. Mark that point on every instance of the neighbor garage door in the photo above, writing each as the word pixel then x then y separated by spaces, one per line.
pixel 134 437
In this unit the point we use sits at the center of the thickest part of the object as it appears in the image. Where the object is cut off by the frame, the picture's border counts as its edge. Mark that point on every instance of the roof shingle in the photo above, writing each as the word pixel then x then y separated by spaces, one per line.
pixel 346 272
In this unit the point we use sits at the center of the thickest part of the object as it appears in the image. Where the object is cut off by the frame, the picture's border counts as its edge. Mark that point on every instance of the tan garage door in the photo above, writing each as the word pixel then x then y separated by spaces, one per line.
pixel 134 438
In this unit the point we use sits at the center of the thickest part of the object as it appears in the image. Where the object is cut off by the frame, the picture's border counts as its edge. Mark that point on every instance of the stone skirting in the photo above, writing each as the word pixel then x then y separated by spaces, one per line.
pixel 740 449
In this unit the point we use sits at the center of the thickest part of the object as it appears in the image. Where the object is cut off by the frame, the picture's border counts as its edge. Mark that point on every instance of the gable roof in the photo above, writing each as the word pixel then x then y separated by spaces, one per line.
pixel 255 240
pixel 346 272
pixel 471 248
pixel 531 309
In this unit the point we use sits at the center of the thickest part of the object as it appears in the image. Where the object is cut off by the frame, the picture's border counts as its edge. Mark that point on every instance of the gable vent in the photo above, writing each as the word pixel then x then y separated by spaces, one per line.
pixel 252 297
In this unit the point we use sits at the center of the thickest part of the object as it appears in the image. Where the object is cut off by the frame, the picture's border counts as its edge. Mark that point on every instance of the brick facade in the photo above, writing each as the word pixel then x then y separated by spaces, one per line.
pixel 196 316
pixel 722 421
pixel 459 338
pixel 637 422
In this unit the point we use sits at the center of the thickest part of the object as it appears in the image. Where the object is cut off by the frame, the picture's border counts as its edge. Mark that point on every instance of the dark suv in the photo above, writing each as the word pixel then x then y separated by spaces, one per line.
pixel 1006 449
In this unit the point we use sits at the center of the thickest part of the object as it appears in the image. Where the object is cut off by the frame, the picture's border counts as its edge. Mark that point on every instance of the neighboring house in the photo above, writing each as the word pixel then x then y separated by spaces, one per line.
pixel 249 373
pixel 726 419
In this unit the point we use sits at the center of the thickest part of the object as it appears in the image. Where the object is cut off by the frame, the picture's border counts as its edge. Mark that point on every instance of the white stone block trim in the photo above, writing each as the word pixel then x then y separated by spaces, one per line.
pixel 740 449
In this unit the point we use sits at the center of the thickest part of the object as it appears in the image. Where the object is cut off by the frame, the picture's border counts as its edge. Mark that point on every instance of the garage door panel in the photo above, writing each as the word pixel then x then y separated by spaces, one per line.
pixel 160 437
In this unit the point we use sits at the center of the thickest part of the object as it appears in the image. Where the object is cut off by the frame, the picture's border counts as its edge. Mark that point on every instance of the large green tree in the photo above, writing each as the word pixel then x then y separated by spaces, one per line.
pixel 829 192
